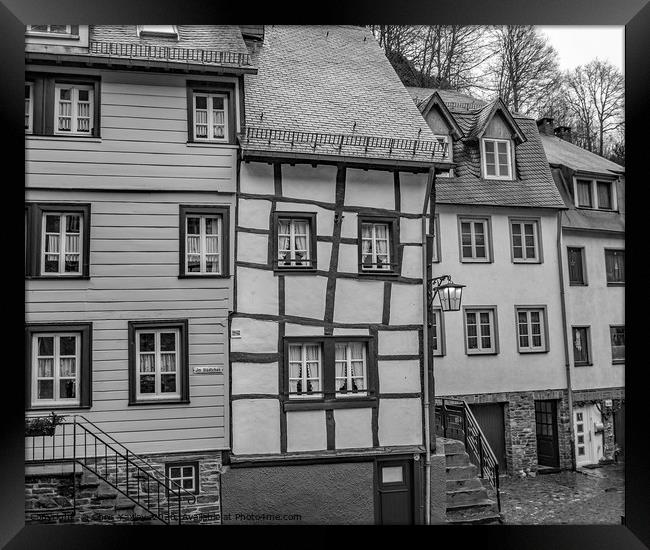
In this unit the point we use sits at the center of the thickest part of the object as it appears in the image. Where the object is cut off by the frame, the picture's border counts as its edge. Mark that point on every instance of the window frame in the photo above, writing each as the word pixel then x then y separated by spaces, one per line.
pixel 589 362
pixel 226 89
pixel 30 111
pixel 537 224
pixel 487 221
pixel 492 310
pixel 171 491
pixel 204 210
pixel 84 368
pixel 593 193
pixel 439 332
pixel 158 33
pixel 614 251
pixel 35 242
pixel 45 109
pixel 583 257
pixel 74 102
pixel 395 260
pixel 616 360
pixel 450 148
pixel 509 152
pixel 310 218
pixel 545 347
pixel 182 369
pixel 436 252
pixel 70 32
pixel 329 396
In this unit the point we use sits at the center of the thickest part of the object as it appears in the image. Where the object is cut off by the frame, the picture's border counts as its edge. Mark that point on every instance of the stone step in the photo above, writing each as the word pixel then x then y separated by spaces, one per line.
pixel 124 505
pixel 479 505
pixel 452 447
pixel 467 496
pixel 457 459
pixel 473 517
pixel 457 473
pixel 471 483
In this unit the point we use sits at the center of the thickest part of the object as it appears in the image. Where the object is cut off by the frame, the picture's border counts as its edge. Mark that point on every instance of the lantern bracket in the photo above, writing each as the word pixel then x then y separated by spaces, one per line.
pixel 435 284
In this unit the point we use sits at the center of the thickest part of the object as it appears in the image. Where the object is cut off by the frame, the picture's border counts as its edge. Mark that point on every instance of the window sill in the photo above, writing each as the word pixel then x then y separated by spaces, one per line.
pixel 472 353
pixel 616 283
pixel 533 262
pixel 341 403
pixel 378 272
pixel 583 364
pixel 212 144
pixel 160 402
pixel 204 276
pixel 65 407
pixel 528 352
pixel 295 270
pixel 618 361
pixel 474 261
pixel 92 139
pixel 578 284
pixel 59 36
pixel 59 277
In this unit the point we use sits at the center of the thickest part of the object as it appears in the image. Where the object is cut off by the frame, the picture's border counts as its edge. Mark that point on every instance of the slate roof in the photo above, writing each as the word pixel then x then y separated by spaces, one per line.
pixel 561 152
pixel 533 186
pixel 336 81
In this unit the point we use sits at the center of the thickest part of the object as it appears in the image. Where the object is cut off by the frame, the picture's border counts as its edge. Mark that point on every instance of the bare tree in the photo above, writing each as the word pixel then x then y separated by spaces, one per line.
pixel 524 67
pixel 596 92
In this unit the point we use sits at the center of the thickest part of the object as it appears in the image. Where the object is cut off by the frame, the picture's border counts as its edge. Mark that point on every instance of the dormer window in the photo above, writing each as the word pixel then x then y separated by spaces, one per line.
pixel 66 31
pixel 591 193
pixel 496 159
pixel 164 31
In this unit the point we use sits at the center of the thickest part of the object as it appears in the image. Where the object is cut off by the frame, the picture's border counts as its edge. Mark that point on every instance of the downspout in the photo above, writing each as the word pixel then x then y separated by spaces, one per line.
pixel 425 355
pixel 567 362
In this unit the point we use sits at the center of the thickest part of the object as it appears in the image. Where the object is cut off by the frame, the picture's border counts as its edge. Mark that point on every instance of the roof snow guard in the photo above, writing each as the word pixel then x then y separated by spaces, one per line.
pixel 344 144
pixel 169 54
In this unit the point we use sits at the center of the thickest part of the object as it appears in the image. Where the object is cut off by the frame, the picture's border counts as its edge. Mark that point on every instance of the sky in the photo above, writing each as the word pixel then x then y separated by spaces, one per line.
pixel 577 45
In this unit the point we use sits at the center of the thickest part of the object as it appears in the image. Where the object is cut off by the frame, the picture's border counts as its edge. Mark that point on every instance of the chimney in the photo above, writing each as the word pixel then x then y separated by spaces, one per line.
pixel 564 132
pixel 545 126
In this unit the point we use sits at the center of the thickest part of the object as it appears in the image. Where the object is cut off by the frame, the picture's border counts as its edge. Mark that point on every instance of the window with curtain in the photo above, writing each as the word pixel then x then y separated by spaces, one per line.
pixel 474 239
pixel 62 243
pixel 617 335
pixel 496 159
pixel 531 330
pixel 350 364
pixel 615 266
pixel 202 244
pixel 480 331
pixel 157 363
pixel 576 266
pixel 525 241
pixel 210 117
pixel 604 190
pixel 375 246
pixel 581 352
pixel 74 105
pixel 436 332
pixel 584 190
pixel 294 242
pixel 61 30
pixel 55 369
pixel 305 370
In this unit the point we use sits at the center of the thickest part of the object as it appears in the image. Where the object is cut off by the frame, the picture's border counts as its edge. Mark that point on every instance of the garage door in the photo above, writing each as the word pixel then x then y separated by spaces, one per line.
pixel 490 418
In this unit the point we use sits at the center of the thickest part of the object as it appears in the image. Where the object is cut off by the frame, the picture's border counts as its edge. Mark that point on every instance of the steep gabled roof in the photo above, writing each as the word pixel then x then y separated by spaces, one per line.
pixel 330 91
pixel 563 153
pixel 484 116
pixel 435 100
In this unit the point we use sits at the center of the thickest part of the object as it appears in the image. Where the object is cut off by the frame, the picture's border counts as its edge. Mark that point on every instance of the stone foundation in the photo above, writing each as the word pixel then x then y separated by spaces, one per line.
pixel 52 497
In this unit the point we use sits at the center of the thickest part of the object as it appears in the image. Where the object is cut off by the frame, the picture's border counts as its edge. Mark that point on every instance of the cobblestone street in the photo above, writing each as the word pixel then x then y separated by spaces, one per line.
pixel 589 496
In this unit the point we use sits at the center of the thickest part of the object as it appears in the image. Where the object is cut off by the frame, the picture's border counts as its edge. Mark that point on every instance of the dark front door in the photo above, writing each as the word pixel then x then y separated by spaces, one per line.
pixel 546 428
pixel 490 418
pixel 395 492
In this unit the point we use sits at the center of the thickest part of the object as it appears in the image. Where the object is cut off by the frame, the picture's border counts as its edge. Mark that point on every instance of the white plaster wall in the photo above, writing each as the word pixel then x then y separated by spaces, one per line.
pixel 256 426
pixel 257 291
pixel 254 378
pixel 254 213
pixel 306 431
pixel 370 189
pixel 324 255
pixel 324 216
pixel 410 230
pixel 358 301
pixel 257 178
pixel 412 262
pixel 406 304
pixel 505 285
pixel 260 336
pixel 399 376
pixel 598 306
pixel 348 258
pixel 252 247
pixel 292 329
pixel 349 225
pixel 398 342
pixel 304 181
pixel 412 189
pixel 351 331
pixel 305 295
pixel 353 428
pixel 400 422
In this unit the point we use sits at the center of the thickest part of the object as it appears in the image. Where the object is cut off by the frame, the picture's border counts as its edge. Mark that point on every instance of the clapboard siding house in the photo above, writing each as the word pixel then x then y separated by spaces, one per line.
pixel 497 233
pixel 326 334
pixel 593 263
pixel 131 169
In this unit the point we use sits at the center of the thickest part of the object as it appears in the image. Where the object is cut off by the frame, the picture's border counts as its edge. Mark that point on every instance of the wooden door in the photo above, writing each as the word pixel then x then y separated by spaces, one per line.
pixel 546 428
pixel 490 418
pixel 395 492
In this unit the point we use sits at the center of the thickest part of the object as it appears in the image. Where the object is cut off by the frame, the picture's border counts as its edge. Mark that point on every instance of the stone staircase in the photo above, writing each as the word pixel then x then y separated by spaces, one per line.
pixel 468 500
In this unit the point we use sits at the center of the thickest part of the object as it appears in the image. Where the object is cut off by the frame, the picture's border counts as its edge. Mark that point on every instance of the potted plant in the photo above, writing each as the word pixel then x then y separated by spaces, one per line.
pixel 43 425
